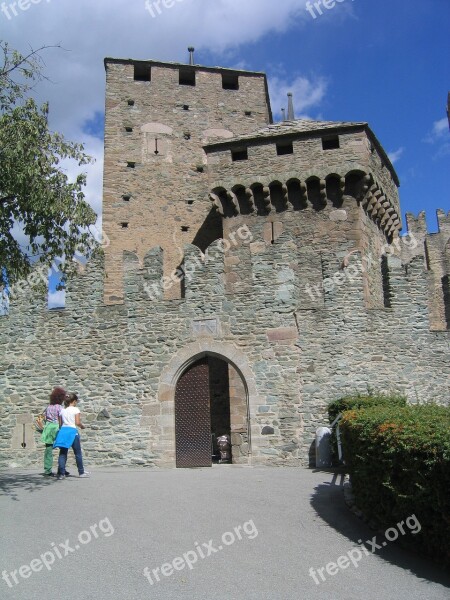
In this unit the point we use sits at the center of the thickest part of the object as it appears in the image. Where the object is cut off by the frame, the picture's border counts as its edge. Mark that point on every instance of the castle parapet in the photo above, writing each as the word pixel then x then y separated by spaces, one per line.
pixel 204 274
pixel 143 280
pixel 443 221
pixel 435 249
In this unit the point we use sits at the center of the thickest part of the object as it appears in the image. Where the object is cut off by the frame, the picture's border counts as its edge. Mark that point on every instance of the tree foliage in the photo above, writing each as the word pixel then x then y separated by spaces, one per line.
pixel 36 196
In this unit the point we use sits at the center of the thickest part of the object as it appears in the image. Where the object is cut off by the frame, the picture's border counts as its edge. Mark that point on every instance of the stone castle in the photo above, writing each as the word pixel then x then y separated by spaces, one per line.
pixel 254 273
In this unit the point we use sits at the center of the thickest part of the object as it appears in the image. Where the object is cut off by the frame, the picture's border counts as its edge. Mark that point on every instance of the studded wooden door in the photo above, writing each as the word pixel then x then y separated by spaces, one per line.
pixel 193 417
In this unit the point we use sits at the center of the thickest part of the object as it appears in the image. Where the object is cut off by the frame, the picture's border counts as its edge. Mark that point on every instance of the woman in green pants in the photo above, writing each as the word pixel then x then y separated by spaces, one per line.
pixel 51 428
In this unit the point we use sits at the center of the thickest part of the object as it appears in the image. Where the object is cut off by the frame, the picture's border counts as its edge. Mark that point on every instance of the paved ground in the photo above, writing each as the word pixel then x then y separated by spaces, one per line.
pixel 118 522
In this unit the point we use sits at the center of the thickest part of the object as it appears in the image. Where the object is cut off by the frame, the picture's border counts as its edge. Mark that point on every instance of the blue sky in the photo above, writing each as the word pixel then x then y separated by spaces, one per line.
pixel 383 62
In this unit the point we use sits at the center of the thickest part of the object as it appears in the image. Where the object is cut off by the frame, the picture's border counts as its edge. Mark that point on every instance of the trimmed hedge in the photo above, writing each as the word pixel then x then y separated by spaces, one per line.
pixel 356 402
pixel 399 463
pixel 363 401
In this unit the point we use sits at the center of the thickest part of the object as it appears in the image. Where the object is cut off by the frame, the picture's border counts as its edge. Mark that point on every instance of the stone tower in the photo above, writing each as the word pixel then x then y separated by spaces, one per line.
pixel 158 118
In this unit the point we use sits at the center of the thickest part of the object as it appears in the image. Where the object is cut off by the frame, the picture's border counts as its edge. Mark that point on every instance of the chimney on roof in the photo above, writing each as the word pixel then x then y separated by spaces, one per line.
pixel 290 116
pixel 191 50
pixel 283 114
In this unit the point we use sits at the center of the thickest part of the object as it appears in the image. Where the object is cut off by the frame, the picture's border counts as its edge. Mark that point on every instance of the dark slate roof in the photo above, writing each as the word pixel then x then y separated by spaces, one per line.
pixel 293 127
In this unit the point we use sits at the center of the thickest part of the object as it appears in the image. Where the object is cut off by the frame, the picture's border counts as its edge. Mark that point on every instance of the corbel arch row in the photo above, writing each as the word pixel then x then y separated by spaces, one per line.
pixel 263 196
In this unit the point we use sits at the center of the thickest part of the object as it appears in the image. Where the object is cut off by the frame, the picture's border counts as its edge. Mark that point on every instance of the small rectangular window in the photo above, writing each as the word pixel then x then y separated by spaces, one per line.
pixel 124 225
pixel 187 77
pixel 230 81
pixel 129 129
pixel 130 102
pixel 285 149
pixel 184 229
pixel 239 154
pixel 330 143
pixel 142 72
pixel 131 165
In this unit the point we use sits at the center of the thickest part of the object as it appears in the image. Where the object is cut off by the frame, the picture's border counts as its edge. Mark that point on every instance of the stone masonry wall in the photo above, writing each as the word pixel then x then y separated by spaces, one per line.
pixel 294 357
pixel 436 250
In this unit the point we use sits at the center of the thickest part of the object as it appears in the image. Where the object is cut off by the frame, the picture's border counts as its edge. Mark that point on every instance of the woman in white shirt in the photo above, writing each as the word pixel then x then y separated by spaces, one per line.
pixel 70 417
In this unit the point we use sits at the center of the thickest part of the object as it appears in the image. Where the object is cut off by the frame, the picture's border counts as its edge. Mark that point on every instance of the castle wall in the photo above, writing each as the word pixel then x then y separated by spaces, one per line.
pixel 294 356
pixel 436 250
pixel 302 298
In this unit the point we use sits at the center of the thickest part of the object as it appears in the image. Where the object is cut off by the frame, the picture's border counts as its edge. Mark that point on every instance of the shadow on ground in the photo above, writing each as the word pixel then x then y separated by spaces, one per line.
pixel 328 502
pixel 13 483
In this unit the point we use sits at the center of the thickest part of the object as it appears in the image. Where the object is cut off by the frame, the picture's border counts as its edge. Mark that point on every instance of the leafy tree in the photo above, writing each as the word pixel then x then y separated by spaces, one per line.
pixel 36 195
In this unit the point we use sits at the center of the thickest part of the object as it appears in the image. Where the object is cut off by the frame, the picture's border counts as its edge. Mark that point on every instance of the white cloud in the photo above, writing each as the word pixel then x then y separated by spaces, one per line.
pixel 307 94
pixel 440 128
pixel 56 299
pixel 439 136
pixel 93 192
pixel 438 132
pixel 396 155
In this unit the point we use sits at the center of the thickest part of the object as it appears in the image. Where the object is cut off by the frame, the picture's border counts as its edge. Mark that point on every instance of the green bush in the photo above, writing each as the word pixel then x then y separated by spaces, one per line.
pixel 399 463
pixel 356 402
pixel 363 401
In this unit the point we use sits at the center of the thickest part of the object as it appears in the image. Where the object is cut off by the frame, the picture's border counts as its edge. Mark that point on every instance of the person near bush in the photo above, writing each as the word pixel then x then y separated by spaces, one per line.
pixel 51 427
pixel 68 436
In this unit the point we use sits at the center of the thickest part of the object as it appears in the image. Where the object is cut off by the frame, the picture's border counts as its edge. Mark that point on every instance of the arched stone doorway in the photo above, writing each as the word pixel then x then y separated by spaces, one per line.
pixel 210 402
pixel 231 371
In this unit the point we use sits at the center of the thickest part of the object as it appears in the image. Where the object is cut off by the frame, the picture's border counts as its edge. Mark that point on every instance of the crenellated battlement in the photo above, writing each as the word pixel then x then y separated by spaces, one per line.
pixel 443 221
pixel 435 248
pixel 281 272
